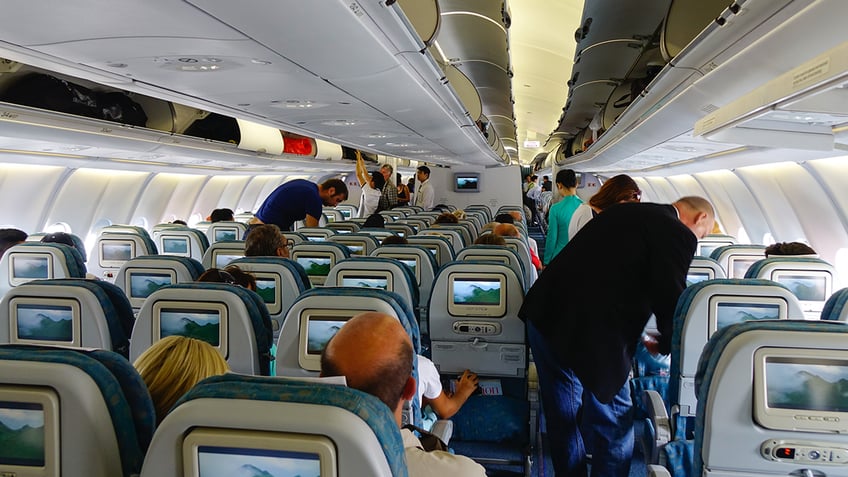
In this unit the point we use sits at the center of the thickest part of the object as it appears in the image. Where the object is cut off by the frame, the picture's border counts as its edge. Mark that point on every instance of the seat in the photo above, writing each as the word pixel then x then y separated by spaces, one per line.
pixel 466 235
pixel 202 226
pixel 316 234
pixel 402 229
pixel 182 242
pixel 141 276
pixel 379 234
pixel 333 215
pixel 407 210
pixel 416 224
pixel 227 422
pixel 421 262
pixel 376 272
pixel 810 279
pixel 220 254
pixel 392 215
pixel 114 246
pixel 29 261
pixel 279 281
pixel 440 247
pixel 523 249
pixel 294 238
pixel 244 217
pixel 709 243
pixel 359 243
pixel 495 253
pixel 484 210
pixel 703 268
pixel 346 227
pixel 89 408
pixel 67 312
pixel 233 320
pixel 422 217
pixel 771 400
pixel 348 211
pixel 834 308
pixel 735 259
pixel 704 308
pixel 453 236
pixel 474 324
pixel 318 258
pixel 78 243
pixel 225 231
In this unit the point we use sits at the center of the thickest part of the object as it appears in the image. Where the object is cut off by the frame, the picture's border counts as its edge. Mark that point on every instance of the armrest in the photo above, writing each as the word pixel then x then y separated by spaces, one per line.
pixel 659 419
pixel 658 471
pixel 443 428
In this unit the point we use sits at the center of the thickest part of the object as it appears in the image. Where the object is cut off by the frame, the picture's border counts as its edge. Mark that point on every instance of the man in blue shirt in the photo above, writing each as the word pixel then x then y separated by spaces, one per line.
pixel 299 200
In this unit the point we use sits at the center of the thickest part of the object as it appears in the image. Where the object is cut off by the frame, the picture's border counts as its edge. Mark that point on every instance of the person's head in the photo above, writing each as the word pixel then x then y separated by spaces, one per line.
pixel 446 218
pixel 398 179
pixel 173 365
pixel 374 353
pixel 375 221
pixel 10 238
pixel 411 181
pixel 506 230
pixel 232 275
pixel 566 181
pixel 696 213
pixel 528 178
pixel 386 170
pixel 505 218
pixel 618 189
pixel 423 173
pixel 394 240
pixel 490 239
pixel 66 239
pixel 333 192
pixel 179 222
pixel 265 240
pixel 516 216
pixel 459 214
pixel 221 215
pixel 377 181
pixel 789 248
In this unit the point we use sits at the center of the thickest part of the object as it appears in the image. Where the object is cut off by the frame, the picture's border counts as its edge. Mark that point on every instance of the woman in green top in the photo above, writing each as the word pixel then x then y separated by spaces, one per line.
pixel 560 213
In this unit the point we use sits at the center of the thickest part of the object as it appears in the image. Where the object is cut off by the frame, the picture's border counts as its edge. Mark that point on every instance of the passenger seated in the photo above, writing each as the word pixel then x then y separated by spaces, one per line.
pixel 394 240
pixel 490 239
pixel 447 218
pixel 221 215
pixel 789 248
pixel 173 365
pixel 375 221
pixel 431 392
pixel 374 353
pixel 232 275
pixel 509 230
pixel 179 222
pixel 10 238
pixel 266 240
pixel 67 239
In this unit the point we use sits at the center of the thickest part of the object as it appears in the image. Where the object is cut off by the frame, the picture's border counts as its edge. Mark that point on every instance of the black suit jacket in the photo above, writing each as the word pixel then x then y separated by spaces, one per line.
pixel 593 300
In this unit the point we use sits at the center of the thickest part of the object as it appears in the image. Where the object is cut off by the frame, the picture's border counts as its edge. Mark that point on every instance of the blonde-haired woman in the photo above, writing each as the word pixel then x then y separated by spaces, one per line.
pixel 174 365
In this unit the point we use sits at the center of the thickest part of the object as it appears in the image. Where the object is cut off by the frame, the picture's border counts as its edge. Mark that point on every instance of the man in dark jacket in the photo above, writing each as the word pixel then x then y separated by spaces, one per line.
pixel 627 263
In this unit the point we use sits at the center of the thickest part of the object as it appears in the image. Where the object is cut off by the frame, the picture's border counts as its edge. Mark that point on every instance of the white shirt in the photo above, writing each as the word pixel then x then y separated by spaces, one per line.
pixel 582 215
pixel 425 195
pixel 535 192
pixel 429 382
pixel 421 463
pixel 368 201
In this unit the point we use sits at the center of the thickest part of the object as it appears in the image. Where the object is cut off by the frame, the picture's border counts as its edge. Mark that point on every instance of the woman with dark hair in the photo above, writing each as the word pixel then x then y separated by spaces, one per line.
pixel 619 189
pixel 403 192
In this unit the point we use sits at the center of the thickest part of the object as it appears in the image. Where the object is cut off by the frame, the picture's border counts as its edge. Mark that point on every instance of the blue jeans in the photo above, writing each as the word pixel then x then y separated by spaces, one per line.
pixel 567 407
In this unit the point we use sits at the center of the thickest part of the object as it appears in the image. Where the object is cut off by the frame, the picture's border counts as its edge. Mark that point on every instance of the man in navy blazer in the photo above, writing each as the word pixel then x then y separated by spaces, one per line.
pixel 586 313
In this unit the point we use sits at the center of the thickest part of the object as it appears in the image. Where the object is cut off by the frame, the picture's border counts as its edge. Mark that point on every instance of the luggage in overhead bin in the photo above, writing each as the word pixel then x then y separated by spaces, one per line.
pixel 55 94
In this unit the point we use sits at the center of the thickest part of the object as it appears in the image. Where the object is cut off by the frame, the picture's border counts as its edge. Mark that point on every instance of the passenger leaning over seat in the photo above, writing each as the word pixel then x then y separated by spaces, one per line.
pixel 374 353
pixel 430 390
pixel 299 200
pixel 266 241
pixel 174 365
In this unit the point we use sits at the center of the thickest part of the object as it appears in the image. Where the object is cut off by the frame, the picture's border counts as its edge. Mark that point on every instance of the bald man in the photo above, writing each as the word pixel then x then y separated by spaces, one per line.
pixel 374 354
pixel 583 327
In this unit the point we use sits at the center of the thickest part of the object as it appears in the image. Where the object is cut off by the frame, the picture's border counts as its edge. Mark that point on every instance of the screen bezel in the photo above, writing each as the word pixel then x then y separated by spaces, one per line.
pixel 710 274
pixel 499 259
pixel 466 175
pixel 137 302
pixel 13 256
pixel 411 257
pixel 716 300
pixel 312 254
pixel 275 307
pixel 801 273
pixel 182 238
pixel 256 440
pixel 76 320
pixel 342 275
pixel 487 311
pixel 312 362
pixel 787 419
pixel 49 401
pixel 189 307
pixel 115 263
pixel 356 243
pixel 225 252
pixel 731 262
pixel 216 230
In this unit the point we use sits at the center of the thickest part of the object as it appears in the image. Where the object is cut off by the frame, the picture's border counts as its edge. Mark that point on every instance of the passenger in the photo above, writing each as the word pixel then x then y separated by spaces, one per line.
pixel 299 200
pixel 789 248
pixel 67 239
pixel 375 221
pixel 424 196
pixel 617 190
pixel 374 353
pixel 9 238
pixel 173 365
pixel 446 218
pixel 561 213
pixel 372 185
pixel 509 230
pixel 222 215
pixel 232 275
pixel 389 195
pixel 459 214
pixel 490 239
pixel 411 185
pixel 546 184
pixel 632 261
pixel 179 222
pixel 266 241
pixel 431 393
pixel 517 218
pixel 403 192
pixel 394 240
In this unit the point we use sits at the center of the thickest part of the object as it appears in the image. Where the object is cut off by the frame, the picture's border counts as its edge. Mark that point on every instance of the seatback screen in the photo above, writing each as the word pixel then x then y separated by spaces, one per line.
pixel 315 266
pixel 225 234
pixel 267 289
pixel 199 324
pixel 806 384
pixel 732 313
pixel 45 322
pixel 805 287
pixel 223 259
pixel 319 331
pixel 176 246
pixel 216 461
pixel 696 277
pixel 116 251
pixel 476 292
pixel 28 267
pixel 22 434
pixel 143 284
